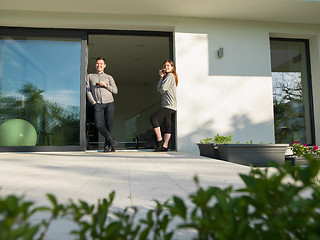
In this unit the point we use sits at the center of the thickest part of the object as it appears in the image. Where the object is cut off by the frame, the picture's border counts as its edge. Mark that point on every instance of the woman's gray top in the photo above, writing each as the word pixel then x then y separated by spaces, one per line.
pixel 167 88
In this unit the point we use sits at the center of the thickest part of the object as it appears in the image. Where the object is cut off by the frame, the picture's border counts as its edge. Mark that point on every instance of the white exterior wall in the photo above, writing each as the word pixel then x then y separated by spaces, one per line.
pixel 315 66
pixel 229 95
pixel 232 94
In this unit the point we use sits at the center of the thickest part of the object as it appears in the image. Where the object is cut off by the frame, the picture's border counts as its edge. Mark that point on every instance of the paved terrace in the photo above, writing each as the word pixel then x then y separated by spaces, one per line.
pixel 138 177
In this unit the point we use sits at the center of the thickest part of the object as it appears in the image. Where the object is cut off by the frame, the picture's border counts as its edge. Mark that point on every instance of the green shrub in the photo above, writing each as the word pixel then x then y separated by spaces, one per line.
pixel 218 139
pixel 284 204
pixel 271 206
pixel 15 215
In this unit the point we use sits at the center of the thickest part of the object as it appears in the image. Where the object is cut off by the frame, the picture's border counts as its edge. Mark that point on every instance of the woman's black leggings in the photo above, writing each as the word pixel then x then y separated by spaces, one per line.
pixel 162 113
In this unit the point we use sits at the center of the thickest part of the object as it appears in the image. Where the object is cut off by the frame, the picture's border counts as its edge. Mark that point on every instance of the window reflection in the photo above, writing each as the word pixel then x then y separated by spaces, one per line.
pixel 40 83
pixel 288 107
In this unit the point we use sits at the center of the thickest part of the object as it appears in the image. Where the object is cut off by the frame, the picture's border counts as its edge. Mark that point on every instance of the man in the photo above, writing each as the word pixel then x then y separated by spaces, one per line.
pixel 100 87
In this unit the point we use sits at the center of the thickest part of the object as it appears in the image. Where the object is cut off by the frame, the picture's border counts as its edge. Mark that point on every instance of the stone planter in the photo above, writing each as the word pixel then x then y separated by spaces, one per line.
pixel 257 155
pixel 208 150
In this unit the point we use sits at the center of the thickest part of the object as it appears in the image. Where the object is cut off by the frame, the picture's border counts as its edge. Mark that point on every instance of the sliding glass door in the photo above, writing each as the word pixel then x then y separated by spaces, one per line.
pixel 40 80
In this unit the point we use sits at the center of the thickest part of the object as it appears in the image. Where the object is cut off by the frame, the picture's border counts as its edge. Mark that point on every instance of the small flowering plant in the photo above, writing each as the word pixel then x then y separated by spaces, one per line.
pixel 301 149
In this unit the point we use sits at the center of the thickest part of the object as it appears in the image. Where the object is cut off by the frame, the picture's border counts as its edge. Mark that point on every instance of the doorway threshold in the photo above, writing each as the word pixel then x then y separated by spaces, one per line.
pixel 123 150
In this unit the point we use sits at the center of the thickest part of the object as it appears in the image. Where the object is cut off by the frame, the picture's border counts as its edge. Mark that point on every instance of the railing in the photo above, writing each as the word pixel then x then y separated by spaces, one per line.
pixel 139 126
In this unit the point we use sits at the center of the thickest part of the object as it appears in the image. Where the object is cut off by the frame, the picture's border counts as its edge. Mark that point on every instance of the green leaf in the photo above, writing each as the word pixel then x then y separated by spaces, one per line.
pixel 144 234
pixel 180 207
pixel 248 180
pixel 52 199
pixel 11 203
pixel 112 230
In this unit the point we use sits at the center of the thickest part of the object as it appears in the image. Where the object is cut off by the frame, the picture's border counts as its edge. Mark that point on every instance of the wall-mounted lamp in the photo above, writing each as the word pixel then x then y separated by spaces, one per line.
pixel 220 52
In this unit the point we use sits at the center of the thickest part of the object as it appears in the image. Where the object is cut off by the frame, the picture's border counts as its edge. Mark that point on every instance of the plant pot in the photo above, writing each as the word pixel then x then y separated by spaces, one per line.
pixel 208 150
pixel 299 161
pixel 257 155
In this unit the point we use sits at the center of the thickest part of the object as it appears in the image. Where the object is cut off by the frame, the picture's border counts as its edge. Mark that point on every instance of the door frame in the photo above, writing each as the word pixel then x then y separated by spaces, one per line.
pixel 133 33
pixel 309 76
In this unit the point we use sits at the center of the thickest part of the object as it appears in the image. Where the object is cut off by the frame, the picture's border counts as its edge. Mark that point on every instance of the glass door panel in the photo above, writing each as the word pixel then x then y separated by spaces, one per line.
pixel 291 91
pixel 40 88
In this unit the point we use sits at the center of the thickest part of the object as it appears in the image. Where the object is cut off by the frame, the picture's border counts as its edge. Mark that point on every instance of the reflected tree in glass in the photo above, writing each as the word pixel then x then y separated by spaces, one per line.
pixel 288 107
pixel 55 125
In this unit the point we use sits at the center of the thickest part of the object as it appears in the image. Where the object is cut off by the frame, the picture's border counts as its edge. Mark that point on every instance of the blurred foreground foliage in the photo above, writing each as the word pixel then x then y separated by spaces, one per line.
pixel 282 204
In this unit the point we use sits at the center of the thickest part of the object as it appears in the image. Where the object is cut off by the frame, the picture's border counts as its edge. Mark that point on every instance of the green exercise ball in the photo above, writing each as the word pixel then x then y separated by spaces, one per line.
pixel 17 132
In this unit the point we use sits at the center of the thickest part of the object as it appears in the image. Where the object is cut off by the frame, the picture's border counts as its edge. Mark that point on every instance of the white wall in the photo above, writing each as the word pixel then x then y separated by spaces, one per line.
pixel 229 95
pixel 232 94
pixel 315 69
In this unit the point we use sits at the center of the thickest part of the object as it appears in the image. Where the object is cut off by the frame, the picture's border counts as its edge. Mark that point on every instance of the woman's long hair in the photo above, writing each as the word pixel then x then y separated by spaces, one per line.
pixel 173 71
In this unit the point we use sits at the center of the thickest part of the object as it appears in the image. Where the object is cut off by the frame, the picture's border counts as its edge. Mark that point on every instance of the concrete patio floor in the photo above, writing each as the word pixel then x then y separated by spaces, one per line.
pixel 138 177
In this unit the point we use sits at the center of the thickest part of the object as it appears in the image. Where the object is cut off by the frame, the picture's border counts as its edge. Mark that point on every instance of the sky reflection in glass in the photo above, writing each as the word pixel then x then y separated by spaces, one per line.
pixel 51 65
pixel 40 83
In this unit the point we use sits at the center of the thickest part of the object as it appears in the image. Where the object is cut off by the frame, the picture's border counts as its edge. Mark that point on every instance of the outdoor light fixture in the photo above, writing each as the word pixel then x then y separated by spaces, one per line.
pixel 220 52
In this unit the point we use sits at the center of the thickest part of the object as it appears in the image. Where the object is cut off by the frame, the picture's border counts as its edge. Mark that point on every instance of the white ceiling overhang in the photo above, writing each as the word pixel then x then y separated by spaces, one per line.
pixel 288 11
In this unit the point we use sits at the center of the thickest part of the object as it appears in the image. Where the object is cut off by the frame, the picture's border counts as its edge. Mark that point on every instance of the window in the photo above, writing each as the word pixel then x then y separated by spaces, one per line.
pixel 40 84
pixel 291 91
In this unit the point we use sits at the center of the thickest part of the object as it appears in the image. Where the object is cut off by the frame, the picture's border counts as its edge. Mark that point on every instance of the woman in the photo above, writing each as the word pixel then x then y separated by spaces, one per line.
pixel 167 88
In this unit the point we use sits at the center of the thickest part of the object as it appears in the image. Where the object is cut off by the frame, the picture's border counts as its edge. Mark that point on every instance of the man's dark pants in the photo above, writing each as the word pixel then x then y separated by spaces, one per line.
pixel 103 118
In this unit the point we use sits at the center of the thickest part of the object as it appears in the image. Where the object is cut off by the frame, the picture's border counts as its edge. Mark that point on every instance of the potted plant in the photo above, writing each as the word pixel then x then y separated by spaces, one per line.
pixel 300 150
pixel 257 155
pixel 208 146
